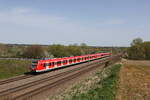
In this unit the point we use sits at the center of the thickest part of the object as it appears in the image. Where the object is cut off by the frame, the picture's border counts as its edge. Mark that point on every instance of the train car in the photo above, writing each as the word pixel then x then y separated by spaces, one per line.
pixel 49 64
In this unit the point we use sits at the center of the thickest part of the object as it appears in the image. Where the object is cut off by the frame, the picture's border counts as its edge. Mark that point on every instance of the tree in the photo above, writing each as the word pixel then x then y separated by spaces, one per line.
pixel 34 51
pixel 3 50
pixel 74 50
pixel 65 51
pixel 15 51
pixel 136 52
pixel 136 41
pixel 139 50
pixel 86 49
pixel 146 46
pixel 84 45
pixel 58 50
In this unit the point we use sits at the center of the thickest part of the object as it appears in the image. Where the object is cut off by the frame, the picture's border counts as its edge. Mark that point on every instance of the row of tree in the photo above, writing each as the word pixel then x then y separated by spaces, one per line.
pixel 37 51
pixel 139 50
pixel 52 51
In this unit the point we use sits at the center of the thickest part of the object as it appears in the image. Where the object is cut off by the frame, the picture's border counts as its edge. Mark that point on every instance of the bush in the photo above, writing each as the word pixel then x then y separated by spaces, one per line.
pixel 34 51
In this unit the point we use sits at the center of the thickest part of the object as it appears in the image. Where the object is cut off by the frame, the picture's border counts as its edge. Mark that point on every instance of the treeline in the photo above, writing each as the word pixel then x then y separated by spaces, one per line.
pixel 38 51
pixel 57 50
pixel 51 51
pixel 139 50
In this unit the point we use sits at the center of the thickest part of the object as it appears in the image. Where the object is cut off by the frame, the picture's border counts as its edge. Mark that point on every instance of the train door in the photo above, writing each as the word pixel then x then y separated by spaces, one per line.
pixel 46 65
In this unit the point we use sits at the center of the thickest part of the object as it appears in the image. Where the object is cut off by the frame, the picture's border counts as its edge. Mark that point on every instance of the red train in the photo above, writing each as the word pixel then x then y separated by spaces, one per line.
pixel 46 65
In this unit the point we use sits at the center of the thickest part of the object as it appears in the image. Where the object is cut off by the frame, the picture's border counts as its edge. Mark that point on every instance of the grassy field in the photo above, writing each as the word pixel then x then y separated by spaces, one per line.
pixel 10 68
pixel 101 86
pixel 134 80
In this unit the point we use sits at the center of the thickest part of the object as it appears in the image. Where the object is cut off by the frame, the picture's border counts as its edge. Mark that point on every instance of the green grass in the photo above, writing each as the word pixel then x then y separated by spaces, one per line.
pixel 10 68
pixel 105 89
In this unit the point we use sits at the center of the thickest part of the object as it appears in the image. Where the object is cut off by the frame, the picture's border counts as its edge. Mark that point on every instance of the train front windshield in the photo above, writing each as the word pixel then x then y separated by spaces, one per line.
pixel 34 64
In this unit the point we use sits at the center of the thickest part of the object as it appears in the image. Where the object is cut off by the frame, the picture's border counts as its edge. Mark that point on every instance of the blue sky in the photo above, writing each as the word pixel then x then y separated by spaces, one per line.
pixel 94 22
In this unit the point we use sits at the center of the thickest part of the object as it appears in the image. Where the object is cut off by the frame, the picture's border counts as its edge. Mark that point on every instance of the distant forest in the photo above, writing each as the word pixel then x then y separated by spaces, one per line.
pixel 52 51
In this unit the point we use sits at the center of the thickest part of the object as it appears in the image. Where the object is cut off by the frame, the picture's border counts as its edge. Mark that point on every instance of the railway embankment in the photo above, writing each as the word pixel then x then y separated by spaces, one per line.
pixel 101 85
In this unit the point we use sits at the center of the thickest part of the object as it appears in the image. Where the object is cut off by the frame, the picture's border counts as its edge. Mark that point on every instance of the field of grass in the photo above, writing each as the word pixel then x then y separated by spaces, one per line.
pixel 134 80
pixel 101 86
pixel 10 68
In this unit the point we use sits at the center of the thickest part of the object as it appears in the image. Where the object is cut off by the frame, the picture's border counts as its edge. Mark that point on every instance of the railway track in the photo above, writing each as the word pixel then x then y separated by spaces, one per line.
pixel 11 90
pixel 36 87
pixel 53 84
pixel 38 82
pixel 15 79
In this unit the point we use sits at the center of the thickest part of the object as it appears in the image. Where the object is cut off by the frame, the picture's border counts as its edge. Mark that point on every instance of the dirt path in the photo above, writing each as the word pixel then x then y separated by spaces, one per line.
pixel 134 81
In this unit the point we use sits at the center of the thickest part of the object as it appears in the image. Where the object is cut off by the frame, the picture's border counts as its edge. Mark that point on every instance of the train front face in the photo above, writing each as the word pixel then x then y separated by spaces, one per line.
pixel 34 66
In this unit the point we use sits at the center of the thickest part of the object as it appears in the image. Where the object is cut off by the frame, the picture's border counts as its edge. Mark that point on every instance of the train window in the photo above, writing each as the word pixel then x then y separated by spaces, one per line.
pixel 46 64
pixel 70 60
pixel 50 64
pixel 74 60
pixel 78 58
pixel 59 62
pixel 65 61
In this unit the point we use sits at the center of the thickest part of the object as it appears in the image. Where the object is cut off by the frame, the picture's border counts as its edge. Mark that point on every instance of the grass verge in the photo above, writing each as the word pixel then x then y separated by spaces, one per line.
pixel 101 86
pixel 106 90
pixel 10 68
